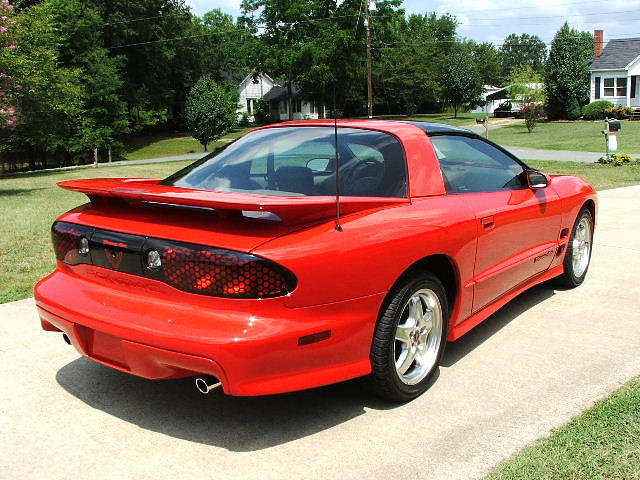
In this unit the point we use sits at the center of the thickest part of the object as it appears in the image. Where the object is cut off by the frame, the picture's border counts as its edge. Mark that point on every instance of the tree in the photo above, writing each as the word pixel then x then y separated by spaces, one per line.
pixel 211 110
pixel 8 113
pixel 461 84
pixel 488 62
pixel 528 90
pixel 104 113
pixel 523 49
pixel 46 94
pixel 567 72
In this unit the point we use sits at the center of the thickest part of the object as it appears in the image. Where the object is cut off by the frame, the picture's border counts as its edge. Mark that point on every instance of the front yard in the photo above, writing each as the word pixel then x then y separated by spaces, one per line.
pixel 577 136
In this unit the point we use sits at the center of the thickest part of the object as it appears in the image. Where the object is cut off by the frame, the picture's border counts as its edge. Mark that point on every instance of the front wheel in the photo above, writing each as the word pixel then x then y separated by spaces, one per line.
pixel 578 256
pixel 409 339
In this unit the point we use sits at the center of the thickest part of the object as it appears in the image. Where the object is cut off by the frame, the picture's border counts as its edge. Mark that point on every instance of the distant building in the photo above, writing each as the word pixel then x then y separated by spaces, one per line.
pixel 489 105
pixel 278 99
pixel 615 70
pixel 257 86
pixel 251 89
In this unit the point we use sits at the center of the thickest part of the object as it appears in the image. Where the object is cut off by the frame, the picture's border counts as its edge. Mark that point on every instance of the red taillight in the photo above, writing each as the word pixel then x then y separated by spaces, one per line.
pixel 221 273
pixel 185 266
pixel 68 242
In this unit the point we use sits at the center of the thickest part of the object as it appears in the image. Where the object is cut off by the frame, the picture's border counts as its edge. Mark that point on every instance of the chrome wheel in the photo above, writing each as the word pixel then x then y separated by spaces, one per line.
pixel 581 247
pixel 418 337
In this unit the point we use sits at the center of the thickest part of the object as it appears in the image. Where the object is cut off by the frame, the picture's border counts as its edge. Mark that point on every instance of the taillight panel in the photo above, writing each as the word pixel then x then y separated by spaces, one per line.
pixel 186 266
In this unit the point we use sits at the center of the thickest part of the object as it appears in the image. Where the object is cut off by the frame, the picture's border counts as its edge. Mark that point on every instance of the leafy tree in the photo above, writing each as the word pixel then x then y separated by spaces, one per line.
pixel 211 110
pixel 567 72
pixel 410 70
pixel 528 90
pixel 488 62
pixel 8 113
pixel 461 83
pixel 523 49
pixel 47 95
pixel 104 112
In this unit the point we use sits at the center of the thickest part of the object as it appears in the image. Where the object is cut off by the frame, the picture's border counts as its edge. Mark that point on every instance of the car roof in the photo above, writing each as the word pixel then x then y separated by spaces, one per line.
pixel 428 127
pixel 441 128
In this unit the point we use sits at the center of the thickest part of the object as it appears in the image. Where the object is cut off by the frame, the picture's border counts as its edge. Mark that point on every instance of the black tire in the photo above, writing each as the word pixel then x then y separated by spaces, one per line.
pixel 570 278
pixel 385 380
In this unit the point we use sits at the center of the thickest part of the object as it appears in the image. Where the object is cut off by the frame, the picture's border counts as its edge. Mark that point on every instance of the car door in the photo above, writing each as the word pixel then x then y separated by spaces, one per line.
pixel 518 227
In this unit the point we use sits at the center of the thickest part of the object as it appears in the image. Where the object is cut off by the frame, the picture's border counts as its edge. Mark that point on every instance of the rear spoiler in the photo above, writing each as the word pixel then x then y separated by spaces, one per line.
pixel 287 209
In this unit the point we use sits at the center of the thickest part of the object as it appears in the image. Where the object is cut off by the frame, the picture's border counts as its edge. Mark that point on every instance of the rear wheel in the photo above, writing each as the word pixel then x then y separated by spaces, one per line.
pixel 578 256
pixel 409 339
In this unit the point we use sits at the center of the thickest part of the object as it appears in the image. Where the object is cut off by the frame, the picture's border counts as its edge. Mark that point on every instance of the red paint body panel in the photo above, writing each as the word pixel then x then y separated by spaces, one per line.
pixel 498 244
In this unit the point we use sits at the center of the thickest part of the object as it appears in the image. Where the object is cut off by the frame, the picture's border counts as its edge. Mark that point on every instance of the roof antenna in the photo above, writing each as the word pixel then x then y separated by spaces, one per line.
pixel 335 133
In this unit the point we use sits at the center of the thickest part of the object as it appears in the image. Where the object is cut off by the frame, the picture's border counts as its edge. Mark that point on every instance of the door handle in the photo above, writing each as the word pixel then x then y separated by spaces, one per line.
pixel 488 222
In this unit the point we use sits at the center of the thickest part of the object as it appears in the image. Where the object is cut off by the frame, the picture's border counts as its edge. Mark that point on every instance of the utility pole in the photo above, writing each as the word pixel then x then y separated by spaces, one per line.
pixel 367 24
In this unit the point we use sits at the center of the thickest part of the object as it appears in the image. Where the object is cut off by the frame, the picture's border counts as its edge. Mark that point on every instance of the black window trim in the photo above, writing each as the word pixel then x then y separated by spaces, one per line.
pixel 475 136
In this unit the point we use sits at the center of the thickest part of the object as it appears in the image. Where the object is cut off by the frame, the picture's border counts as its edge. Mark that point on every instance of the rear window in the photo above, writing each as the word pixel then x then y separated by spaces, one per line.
pixel 300 161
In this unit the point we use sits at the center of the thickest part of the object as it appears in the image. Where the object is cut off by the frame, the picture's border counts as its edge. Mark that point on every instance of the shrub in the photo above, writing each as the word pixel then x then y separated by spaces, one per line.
pixel 261 114
pixel 596 110
pixel 617 159
pixel 620 113
pixel 243 121
pixel 574 111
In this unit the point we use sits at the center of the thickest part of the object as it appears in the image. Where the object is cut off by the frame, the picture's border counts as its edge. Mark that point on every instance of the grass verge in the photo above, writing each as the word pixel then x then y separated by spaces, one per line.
pixel 602 443
pixel 577 136
pixel 158 146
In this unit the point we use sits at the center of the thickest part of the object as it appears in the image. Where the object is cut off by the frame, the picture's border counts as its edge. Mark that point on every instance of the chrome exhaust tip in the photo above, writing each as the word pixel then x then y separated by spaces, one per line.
pixel 66 339
pixel 205 385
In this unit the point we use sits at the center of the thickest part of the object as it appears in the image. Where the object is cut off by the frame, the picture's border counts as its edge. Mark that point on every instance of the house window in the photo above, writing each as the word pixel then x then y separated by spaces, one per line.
pixel 615 87
pixel 250 105
pixel 312 107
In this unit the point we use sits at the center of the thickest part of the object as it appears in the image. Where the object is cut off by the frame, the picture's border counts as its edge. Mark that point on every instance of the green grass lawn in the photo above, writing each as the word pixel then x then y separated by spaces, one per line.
pixel 462 119
pixel 157 146
pixel 579 136
pixel 602 443
pixel 31 202
pixel 602 177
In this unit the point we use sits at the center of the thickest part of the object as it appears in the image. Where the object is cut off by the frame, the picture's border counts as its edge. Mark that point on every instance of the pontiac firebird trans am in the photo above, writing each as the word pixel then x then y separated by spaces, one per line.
pixel 285 263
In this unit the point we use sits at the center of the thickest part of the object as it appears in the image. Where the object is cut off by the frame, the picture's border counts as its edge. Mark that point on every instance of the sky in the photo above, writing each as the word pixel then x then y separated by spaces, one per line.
pixel 493 20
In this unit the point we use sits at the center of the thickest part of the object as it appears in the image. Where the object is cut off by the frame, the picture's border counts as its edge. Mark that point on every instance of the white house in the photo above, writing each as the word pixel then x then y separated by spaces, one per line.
pixel 252 88
pixel 615 71
pixel 278 99
pixel 489 105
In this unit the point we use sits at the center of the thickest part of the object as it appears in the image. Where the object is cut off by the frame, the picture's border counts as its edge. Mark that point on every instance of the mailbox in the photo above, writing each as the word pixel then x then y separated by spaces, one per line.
pixel 614 125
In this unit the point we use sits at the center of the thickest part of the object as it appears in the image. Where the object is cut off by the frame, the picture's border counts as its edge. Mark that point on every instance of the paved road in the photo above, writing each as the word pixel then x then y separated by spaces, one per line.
pixel 542 359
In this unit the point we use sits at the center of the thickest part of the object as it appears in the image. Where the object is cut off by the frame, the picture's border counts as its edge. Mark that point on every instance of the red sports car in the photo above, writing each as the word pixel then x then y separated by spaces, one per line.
pixel 308 253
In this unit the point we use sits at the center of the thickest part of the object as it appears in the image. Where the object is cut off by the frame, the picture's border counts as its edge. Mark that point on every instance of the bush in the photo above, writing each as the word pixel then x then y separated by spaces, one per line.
pixel 243 121
pixel 261 114
pixel 574 111
pixel 617 159
pixel 596 110
pixel 620 113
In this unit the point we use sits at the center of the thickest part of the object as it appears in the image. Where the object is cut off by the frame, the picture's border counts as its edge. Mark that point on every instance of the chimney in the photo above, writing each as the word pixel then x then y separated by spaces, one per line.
pixel 598 43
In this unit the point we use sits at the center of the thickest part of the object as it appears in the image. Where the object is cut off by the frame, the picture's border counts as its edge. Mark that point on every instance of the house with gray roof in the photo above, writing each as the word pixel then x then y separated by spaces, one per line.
pixel 615 70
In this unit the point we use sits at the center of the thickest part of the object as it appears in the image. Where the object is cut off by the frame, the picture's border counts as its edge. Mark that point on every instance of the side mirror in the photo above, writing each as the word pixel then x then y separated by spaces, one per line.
pixel 537 179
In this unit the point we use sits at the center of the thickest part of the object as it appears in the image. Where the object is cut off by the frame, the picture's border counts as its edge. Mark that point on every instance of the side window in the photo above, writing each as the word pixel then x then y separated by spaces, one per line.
pixel 473 165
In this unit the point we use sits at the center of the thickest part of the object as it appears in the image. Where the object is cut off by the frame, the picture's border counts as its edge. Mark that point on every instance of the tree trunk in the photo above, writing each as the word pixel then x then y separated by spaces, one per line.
pixel 205 146
pixel 455 111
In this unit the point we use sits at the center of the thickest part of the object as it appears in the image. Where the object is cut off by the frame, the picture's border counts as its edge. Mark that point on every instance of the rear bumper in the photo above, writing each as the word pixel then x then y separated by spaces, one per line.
pixel 151 330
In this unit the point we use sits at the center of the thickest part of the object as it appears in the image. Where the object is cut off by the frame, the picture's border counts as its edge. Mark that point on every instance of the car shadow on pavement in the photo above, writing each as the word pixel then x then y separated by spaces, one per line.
pixel 242 424
pixel 492 325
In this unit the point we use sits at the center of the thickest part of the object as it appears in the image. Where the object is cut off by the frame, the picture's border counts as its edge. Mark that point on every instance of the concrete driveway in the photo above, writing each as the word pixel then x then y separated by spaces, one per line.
pixel 540 360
